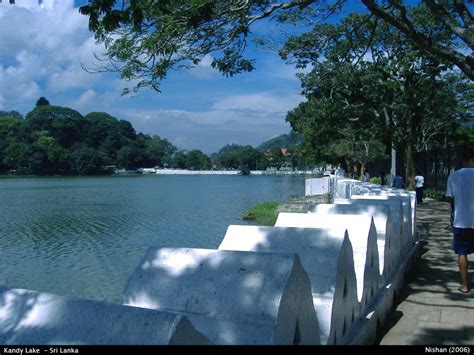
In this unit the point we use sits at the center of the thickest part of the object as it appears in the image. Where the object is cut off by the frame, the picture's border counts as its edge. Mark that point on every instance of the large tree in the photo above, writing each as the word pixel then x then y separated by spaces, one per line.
pixel 147 38
pixel 395 88
pixel 337 120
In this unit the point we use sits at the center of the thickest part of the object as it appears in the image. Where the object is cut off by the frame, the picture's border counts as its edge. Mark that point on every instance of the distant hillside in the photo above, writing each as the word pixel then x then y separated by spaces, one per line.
pixel 283 141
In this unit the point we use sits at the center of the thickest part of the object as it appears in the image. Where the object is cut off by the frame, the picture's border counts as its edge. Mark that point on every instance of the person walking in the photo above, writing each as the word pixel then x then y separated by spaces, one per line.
pixel 366 176
pixel 419 183
pixel 460 193
pixel 398 182
pixel 382 178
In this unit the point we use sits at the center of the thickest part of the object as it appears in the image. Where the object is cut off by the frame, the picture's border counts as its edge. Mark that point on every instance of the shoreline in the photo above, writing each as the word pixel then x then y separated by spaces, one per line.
pixel 170 172
pixel 228 172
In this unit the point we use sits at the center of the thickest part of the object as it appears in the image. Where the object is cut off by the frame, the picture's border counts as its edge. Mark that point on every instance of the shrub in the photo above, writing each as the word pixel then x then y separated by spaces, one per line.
pixel 374 180
pixel 434 194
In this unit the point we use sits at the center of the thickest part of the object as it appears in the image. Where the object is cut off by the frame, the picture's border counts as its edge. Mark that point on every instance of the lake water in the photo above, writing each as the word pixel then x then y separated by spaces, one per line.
pixel 83 237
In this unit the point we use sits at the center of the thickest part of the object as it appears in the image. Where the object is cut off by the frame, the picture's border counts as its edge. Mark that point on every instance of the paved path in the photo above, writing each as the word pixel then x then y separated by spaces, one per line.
pixel 431 310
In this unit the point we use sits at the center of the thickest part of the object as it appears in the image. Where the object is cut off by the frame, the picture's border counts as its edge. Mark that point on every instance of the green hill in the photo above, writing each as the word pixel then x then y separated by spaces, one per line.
pixel 283 141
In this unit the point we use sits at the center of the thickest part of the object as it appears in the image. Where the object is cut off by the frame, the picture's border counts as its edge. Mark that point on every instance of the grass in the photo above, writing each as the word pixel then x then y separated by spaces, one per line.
pixel 264 213
pixel 434 194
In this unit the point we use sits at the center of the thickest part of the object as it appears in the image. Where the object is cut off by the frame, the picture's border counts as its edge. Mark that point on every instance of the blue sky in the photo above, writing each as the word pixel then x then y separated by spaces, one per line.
pixel 41 52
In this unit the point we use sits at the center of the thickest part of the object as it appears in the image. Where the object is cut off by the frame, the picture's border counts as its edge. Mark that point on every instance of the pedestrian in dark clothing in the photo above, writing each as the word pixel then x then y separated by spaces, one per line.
pixel 398 182
pixel 382 178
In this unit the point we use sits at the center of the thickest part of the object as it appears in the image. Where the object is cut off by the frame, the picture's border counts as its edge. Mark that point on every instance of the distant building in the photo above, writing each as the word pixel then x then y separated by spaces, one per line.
pixel 283 152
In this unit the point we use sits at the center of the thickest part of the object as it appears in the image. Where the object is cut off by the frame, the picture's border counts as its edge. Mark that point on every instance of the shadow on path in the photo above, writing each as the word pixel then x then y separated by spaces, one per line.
pixel 430 310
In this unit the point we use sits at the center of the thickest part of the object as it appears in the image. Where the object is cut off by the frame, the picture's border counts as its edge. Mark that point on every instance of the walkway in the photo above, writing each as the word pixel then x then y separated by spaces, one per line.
pixel 431 310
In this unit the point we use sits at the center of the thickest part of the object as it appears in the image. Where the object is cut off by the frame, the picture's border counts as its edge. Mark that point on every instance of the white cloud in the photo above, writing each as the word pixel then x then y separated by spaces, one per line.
pixel 85 98
pixel 259 102
pixel 41 51
pixel 70 78
pixel 206 61
pixel 204 70
pixel 243 119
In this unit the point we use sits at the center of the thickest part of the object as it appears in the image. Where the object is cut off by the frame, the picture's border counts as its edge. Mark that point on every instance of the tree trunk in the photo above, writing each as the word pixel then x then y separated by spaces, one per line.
pixel 363 169
pixel 410 170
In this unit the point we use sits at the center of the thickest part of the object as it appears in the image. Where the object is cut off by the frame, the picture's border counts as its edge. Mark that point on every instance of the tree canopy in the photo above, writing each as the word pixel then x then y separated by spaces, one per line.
pixel 42 102
pixel 59 140
pixel 145 39
pixel 391 96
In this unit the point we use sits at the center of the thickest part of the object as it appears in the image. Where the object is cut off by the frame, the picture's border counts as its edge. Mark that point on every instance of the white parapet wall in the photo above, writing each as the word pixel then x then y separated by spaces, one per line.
pixel 344 188
pixel 30 317
pixel 388 220
pixel 407 232
pixel 382 222
pixel 363 236
pixel 195 172
pixel 232 297
pixel 326 255
pixel 403 193
pixel 318 186
pixel 396 218
pixel 348 188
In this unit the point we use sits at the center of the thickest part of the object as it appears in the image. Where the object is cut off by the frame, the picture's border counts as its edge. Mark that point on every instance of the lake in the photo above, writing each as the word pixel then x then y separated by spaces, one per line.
pixel 83 237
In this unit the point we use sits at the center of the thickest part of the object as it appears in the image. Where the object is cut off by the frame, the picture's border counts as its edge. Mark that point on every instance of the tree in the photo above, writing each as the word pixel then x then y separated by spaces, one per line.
pixel 159 151
pixel 16 155
pixel 237 157
pixel 11 114
pixel 86 161
pixel 9 126
pixel 197 160
pixel 54 157
pixel 396 90
pixel 65 125
pixel 454 17
pixel 99 125
pixel 42 102
pixel 179 160
pixel 145 39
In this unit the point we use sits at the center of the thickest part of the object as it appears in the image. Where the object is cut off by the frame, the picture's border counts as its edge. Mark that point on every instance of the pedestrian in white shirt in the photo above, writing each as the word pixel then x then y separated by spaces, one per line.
pixel 419 183
pixel 460 193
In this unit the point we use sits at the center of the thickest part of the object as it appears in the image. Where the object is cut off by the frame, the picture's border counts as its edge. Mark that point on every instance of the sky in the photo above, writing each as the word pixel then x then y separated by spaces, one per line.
pixel 43 45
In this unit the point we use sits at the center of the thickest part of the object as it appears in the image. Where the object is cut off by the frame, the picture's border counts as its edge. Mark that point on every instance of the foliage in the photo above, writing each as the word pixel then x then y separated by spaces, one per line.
pixel 193 160
pixel 237 157
pixel 374 180
pixel 391 97
pixel 247 157
pixel 265 213
pixel 434 194
pixel 197 160
pixel 59 140
pixel 145 39
pixel 42 102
